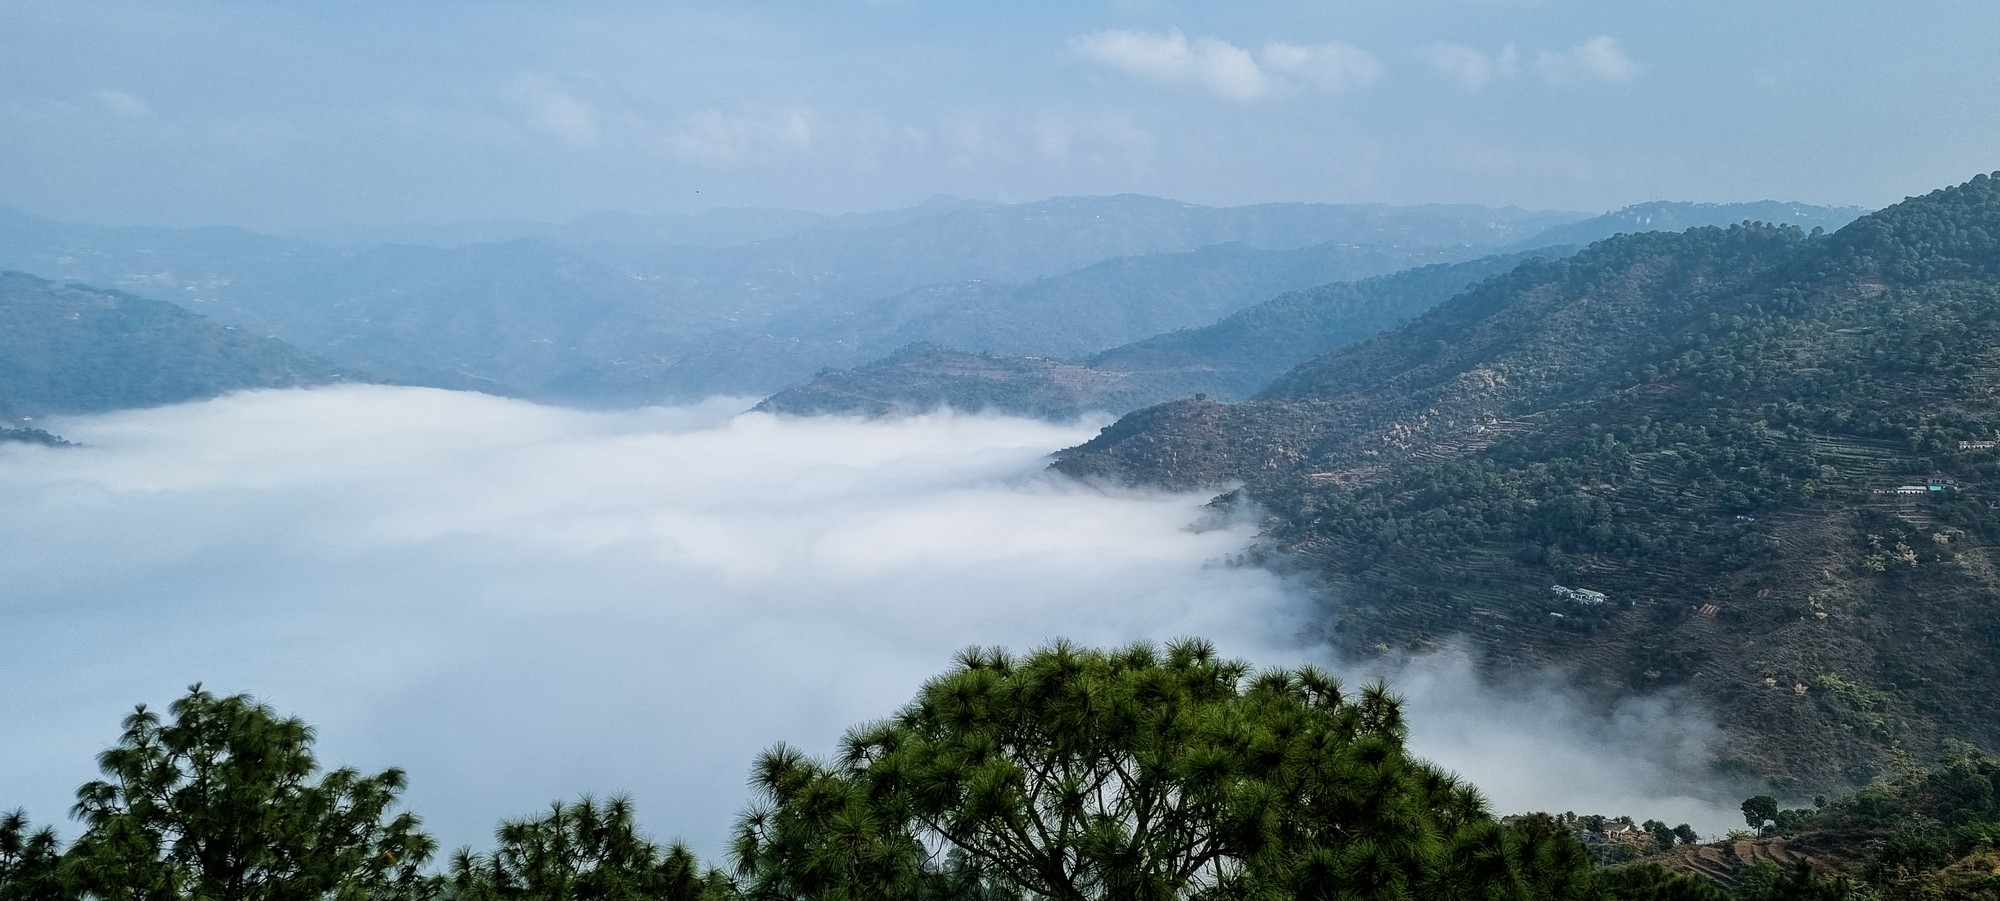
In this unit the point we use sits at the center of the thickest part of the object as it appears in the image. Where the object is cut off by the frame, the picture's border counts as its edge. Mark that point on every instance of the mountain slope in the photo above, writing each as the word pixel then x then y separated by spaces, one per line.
pixel 1110 303
pixel 72 349
pixel 1245 351
pixel 1229 359
pixel 1067 315
pixel 1709 428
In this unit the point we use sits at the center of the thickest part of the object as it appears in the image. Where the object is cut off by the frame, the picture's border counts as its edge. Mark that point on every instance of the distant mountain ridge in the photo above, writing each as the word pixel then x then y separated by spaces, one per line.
pixel 1674 216
pixel 1229 359
pixel 1067 316
pixel 1712 430
pixel 628 310
pixel 675 320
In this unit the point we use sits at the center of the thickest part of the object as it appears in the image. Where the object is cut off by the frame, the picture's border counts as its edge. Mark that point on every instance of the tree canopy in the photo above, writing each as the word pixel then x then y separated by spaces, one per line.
pixel 585 850
pixel 1138 773
pixel 225 801
pixel 1065 774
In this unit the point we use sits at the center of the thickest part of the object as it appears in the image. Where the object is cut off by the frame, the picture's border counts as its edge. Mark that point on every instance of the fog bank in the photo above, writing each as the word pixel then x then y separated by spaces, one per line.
pixel 519 603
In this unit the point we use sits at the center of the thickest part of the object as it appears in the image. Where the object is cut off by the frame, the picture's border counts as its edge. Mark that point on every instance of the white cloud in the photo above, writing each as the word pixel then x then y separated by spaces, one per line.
pixel 1473 68
pixel 1216 66
pixel 1598 59
pixel 1330 67
pixel 734 138
pixel 555 112
pixel 519 603
pixel 1228 70
pixel 1530 744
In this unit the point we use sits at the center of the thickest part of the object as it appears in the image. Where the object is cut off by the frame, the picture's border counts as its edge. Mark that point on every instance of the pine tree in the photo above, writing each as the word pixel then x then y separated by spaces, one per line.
pixel 582 851
pixel 226 802
pixel 1137 774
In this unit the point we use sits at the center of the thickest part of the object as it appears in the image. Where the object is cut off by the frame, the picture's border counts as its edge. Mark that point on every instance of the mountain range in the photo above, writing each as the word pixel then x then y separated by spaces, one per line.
pixel 639 322
pixel 1752 465
pixel 1227 359
pixel 1700 437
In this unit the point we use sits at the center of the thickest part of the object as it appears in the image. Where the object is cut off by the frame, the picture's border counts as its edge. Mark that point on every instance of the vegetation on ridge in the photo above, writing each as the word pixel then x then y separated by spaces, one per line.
pixel 1711 433
pixel 69 348
pixel 1067 773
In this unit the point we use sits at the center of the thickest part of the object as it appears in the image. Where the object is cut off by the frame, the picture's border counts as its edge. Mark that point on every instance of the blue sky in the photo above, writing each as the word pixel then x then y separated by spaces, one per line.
pixel 278 115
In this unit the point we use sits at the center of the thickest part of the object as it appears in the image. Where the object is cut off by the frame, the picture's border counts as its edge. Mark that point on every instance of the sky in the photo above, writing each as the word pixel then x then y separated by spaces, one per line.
pixel 520 604
pixel 301 113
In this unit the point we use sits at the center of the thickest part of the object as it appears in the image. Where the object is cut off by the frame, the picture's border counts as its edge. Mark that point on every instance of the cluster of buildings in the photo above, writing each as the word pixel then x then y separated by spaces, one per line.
pixel 1583 596
pixel 1936 484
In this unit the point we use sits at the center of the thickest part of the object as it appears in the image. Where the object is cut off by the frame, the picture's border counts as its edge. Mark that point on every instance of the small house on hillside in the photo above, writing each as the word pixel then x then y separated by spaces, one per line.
pixel 1583 596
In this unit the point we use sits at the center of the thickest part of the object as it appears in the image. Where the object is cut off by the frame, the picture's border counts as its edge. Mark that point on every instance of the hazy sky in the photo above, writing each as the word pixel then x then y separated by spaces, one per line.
pixel 276 114
pixel 519 604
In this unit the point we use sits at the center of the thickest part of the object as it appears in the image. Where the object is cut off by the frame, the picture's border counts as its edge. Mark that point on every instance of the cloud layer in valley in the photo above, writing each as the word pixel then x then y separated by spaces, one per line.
pixel 519 604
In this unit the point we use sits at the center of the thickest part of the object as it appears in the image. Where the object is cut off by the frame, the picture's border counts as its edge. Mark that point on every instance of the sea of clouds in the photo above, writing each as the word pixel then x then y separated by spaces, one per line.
pixel 519 604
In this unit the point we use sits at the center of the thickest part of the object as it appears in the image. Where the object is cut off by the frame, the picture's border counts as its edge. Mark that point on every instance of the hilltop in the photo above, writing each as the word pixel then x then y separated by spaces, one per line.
pixel 1702 439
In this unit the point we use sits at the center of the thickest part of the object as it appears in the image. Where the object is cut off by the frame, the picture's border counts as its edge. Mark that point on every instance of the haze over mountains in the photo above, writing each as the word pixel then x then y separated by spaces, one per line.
pixel 584 313
pixel 1740 466
pixel 550 402
pixel 1049 309
pixel 1765 458
pixel 1229 359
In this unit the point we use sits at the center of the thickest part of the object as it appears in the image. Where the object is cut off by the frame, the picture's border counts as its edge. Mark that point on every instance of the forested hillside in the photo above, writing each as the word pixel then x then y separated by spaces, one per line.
pixel 72 349
pixel 925 377
pixel 1240 354
pixel 1750 463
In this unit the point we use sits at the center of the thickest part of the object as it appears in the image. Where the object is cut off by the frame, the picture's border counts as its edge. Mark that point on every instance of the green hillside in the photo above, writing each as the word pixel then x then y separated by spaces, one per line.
pixel 1708 431
pixel 1240 354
